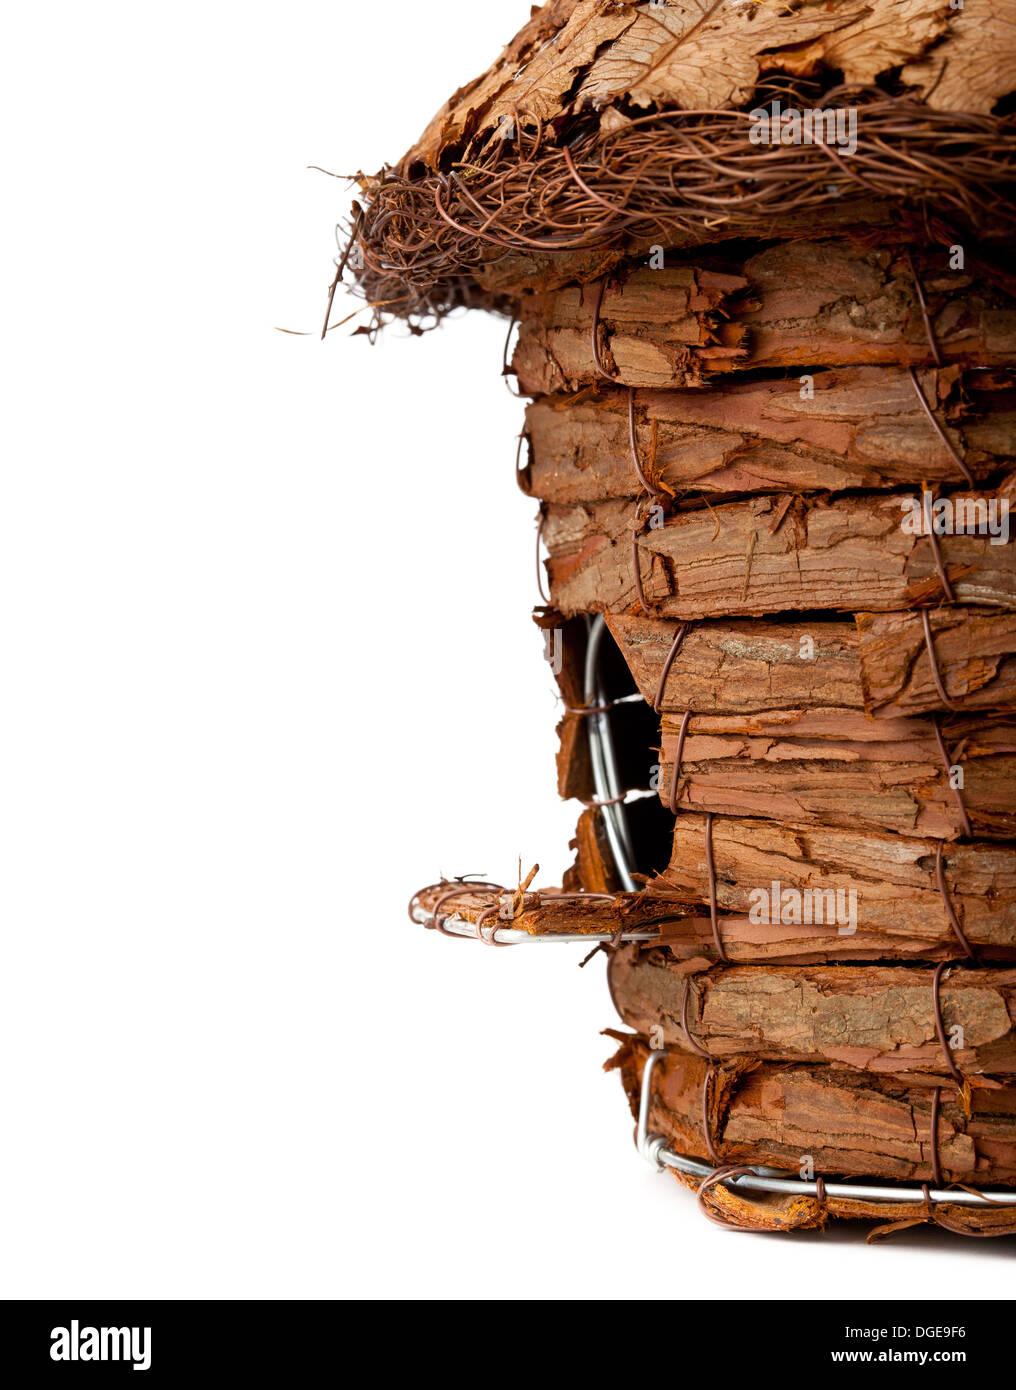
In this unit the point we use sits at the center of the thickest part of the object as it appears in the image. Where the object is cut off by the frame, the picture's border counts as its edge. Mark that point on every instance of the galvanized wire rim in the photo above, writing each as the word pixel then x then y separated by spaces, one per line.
pixel 655 1149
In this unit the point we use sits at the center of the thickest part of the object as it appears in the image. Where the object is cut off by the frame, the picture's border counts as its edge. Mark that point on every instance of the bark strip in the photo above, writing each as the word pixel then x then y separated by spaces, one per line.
pixel 797 304
pixel 862 427
pixel 900 914
pixel 756 557
pixel 656 328
pixel 881 664
pixel 743 666
pixel 842 768
pixel 974 652
pixel 869 1018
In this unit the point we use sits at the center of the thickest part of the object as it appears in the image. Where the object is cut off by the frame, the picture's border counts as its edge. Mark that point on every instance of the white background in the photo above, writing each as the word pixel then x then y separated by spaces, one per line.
pixel 269 667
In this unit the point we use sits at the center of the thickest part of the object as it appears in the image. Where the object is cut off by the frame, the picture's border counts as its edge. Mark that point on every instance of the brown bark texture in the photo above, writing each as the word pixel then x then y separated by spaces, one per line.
pixel 974 651
pixel 795 305
pixel 845 428
pixel 865 1018
pixel 879 663
pixel 837 767
pixel 772 555
pixel 900 913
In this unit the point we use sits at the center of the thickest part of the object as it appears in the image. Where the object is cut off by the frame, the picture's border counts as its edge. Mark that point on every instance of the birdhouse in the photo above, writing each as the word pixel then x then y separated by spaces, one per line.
pixel 754 262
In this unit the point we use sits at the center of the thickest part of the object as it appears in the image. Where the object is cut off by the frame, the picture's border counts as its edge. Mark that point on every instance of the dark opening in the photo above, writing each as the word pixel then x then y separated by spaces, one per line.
pixel 636 731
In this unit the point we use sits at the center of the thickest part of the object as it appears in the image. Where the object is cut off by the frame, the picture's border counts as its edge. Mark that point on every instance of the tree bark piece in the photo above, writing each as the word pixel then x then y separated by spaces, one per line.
pixel 899 909
pixel 743 666
pixel 510 274
pixel 848 1124
pixel 756 557
pixel 594 870
pixel 671 325
pixel 797 304
pixel 880 665
pixel 974 654
pixel 862 427
pixel 869 1018
pixel 841 768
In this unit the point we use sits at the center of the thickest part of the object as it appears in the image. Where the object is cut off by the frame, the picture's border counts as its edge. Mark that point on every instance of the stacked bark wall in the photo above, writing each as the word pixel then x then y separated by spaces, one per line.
pixel 789 494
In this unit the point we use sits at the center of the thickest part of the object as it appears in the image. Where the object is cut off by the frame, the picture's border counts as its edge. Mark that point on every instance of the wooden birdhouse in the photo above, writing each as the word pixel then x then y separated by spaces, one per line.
pixel 759 261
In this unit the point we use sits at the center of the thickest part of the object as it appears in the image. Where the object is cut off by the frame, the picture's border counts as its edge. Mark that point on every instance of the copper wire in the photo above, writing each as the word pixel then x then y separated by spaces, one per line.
pixel 943 889
pixel 676 774
pixel 957 794
pixel 539 569
pixel 936 1000
pixel 675 647
pixel 520 473
pixel 929 328
pixel 933 1215
pixel 458 888
pixel 650 490
pixel 707 1129
pixel 637 568
pixel 689 1037
pixel 711 870
pixel 594 337
pixel 650 487
pixel 936 674
pixel 723 1174
pixel 956 457
pixel 936 1166
pixel 936 555
pixel 584 710
pixel 957 1230
pixel 506 369
pixel 606 801
pixel 481 922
